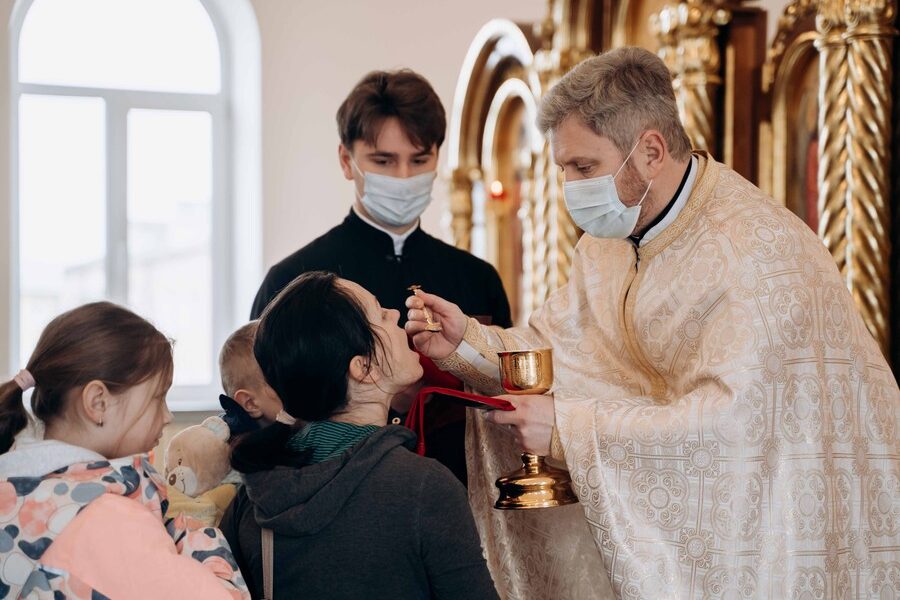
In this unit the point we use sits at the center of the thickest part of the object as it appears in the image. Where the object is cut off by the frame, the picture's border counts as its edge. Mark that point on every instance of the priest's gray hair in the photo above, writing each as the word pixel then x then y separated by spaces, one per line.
pixel 619 95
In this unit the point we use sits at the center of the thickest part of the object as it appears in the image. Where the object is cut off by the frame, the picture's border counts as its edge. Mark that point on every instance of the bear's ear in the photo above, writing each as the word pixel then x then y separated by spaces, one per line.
pixel 218 427
pixel 174 451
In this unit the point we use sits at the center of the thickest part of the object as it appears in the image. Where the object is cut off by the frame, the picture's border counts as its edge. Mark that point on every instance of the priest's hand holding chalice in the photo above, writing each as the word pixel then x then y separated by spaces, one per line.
pixel 526 376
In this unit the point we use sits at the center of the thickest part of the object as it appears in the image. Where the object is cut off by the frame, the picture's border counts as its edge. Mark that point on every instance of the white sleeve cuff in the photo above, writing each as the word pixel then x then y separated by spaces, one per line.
pixel 474 358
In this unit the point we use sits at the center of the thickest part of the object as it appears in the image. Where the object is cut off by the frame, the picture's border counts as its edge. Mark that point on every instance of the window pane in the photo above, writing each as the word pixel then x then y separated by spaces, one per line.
pixel 158 45
pixel 62 209
pixel 169 232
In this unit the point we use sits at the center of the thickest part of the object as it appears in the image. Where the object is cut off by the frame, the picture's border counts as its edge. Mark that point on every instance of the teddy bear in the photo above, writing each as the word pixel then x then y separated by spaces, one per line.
pixel 198 472
pixel 198 457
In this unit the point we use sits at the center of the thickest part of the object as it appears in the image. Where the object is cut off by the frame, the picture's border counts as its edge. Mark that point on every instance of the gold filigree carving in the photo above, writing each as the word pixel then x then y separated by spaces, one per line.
pixel 785 30
pixel 542 247
pixel 855 46
pixel 833 102
pixel 688 33
pixel 461 207
pixel 567 238
pixel 869 37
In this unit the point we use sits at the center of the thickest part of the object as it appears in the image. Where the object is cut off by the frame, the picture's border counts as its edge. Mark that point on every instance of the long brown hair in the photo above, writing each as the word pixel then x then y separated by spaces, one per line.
pixel 99 341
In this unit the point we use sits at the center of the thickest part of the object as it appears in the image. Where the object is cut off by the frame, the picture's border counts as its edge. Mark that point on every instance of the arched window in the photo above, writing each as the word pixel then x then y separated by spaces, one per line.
pixel 125 186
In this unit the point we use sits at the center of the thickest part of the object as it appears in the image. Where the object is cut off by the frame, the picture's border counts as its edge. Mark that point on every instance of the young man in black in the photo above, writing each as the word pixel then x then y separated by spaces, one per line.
pixel 391 128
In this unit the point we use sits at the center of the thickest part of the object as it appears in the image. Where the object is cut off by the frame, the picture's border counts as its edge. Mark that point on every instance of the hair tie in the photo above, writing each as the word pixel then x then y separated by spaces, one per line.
pixel 284 418
pixel 24 380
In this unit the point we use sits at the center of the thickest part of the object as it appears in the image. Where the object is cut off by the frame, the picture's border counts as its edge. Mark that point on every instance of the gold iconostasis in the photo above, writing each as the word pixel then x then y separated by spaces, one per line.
pixel 809 118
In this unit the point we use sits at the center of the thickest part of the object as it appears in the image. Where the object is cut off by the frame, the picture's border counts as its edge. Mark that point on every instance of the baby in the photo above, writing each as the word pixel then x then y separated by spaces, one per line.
pixel 248 400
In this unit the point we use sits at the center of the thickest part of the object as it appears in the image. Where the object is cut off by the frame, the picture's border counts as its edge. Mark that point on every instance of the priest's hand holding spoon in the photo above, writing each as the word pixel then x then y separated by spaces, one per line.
pixel 533 420
pixel 436 345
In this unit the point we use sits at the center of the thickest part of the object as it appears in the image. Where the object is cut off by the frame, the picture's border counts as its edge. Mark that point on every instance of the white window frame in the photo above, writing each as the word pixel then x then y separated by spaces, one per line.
pixel 236 241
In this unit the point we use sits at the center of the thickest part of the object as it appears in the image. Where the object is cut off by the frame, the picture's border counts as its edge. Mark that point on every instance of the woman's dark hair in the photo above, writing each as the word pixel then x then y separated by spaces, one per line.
pixel 306 338
pixel 99 341
pixel 383 94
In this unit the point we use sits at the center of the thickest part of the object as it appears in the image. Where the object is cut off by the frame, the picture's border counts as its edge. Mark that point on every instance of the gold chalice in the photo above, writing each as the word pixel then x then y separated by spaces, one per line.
pixel 536 484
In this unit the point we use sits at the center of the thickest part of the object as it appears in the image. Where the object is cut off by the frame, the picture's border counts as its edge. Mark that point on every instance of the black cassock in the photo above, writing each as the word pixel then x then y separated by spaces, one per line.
pixel 359 252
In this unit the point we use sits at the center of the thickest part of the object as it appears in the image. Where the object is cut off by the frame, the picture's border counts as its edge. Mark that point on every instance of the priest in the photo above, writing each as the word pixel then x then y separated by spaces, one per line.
pixel 729 423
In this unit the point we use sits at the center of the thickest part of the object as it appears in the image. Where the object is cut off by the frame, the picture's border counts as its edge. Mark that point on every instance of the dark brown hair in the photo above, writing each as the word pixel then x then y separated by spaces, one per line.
pixel 99 341
pixel 382 94
pixel 306 339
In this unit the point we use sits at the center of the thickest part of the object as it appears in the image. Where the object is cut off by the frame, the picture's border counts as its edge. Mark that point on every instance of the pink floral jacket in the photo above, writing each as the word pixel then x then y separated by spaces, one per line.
pixel 96 530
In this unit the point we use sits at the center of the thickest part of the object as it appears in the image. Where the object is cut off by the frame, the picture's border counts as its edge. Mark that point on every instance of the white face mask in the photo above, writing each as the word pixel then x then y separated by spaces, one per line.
pixel 395 201
pixel 595 206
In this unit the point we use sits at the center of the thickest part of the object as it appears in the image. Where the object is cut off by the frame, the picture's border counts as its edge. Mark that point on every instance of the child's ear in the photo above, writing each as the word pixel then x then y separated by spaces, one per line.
pixel 94 397
pixel 362 371
pixel 246 401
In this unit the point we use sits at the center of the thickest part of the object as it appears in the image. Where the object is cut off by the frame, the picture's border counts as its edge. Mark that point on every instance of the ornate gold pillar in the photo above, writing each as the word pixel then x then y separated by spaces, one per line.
pixel 536 229
pixel 855 44
pixel 870 41
pixel 564 44
pixel 832 174
pixel 461 207
pixel 687 34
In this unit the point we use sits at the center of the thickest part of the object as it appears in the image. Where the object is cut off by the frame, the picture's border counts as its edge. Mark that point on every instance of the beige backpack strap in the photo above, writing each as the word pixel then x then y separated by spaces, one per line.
pixel 268 554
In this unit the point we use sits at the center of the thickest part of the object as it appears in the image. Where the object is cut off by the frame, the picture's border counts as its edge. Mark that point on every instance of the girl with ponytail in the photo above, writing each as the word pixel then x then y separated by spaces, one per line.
pixel 81 507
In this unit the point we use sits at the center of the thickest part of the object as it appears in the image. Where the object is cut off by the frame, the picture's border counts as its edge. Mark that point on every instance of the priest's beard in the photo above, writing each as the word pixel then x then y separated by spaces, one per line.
pixel 633 188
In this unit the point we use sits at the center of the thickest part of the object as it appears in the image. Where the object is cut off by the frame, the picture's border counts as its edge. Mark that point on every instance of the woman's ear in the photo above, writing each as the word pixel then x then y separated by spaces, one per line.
pixel 94 401
pixel 362 371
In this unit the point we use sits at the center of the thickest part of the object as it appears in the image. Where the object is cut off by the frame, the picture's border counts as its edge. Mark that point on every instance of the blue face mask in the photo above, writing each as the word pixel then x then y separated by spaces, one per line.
pixel 595 206
pixel 395 201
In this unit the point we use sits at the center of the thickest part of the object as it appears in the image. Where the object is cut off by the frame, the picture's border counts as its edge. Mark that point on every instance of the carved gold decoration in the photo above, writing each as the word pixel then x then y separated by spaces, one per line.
pixel 511 143
pixel 567 234
pixel 869 36
pixel 785 30
pixel 565 38
pixel 791 131
pixel 500 51
pixel 535 245
pixel 461 180
pixel 853 39
pixel 688 34
pixel 855 46
pixel 506 64
pixel 833 102
pixel 555 235
pixel 791 61
pixel 894 224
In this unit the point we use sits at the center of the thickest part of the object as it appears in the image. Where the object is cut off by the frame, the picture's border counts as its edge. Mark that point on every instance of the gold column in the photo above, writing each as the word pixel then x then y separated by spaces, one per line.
pixel 833 101
pixel 530 199
pixel 567 233
pixel 870 42
pixel 687 34
pixel 894 312
pixel 855 49
pixel 461 181
pixel 553 232
pixel 539 264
